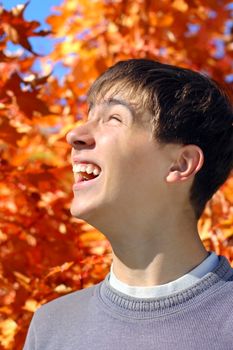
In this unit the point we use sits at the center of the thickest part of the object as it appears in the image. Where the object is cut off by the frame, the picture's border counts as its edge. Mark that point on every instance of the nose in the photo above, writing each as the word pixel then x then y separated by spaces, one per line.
pixel 81 137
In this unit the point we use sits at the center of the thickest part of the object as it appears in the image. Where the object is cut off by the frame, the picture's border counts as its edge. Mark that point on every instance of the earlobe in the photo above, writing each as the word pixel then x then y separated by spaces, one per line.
pixel 173 176
pixel 187 164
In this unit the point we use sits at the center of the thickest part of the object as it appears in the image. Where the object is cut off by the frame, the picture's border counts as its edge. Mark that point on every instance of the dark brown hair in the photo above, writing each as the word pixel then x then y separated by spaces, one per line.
pixel 187 108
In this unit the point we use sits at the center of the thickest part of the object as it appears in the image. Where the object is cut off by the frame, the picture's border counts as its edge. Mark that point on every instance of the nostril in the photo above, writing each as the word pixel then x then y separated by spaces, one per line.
pixel 83 142
pixel 79 142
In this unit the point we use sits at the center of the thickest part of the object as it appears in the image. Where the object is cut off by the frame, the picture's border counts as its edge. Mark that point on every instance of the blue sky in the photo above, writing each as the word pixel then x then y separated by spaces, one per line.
pixel 36 10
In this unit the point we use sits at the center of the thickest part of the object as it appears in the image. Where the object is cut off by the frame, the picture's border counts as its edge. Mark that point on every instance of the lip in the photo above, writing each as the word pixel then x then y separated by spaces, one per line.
pixel 79 160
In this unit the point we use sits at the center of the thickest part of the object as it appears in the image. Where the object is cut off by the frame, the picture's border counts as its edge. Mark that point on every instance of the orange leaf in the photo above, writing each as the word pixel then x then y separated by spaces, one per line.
pixel 61 268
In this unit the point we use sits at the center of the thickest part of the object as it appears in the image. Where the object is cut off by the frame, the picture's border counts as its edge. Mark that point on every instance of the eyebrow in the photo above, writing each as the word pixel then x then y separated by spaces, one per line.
pixel 114 102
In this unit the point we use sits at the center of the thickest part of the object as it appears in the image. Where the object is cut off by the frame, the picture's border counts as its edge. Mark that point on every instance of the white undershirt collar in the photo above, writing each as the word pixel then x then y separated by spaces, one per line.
pixel 183 282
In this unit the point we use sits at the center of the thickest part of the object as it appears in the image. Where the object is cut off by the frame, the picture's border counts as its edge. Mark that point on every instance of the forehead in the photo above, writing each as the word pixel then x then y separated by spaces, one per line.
pixel 113 93
pixel 125 99
pixel 108 102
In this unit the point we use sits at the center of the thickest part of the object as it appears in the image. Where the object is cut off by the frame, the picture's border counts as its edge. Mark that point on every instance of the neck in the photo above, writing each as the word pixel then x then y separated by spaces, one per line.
pixel 157 256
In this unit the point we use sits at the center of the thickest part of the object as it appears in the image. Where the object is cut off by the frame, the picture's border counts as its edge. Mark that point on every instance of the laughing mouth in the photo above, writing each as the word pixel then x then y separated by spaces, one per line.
pixel 85 172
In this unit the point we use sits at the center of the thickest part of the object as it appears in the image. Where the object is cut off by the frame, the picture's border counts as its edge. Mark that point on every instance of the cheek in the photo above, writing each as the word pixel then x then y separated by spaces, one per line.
pixel 108 142
pixel 127 155
pixel 146 165
pixel 140 153
pixel 136 165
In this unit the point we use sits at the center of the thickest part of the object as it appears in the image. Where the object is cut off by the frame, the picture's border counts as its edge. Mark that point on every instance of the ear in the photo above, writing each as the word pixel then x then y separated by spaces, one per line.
pixel 188 162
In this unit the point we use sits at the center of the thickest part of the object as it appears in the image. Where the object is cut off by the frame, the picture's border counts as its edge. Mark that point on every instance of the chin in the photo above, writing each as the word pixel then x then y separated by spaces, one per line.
pixel 79 214
pixel 83 213
pixel 92 216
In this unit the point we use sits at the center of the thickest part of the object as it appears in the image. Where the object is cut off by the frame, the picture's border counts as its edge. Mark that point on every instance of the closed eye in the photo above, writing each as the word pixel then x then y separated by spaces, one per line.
pixel 115 117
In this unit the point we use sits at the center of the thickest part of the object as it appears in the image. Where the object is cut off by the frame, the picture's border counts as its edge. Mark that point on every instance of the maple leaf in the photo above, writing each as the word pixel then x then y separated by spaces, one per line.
pixel 17 29
pixel 8 133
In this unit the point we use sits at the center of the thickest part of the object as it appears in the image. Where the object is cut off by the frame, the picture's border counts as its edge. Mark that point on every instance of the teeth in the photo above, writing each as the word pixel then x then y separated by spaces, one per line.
pixel 77 168
pixel 83 168
pixel 88 168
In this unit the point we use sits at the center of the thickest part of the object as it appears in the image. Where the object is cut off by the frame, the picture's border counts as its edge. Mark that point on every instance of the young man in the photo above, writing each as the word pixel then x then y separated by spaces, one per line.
pixel 158 142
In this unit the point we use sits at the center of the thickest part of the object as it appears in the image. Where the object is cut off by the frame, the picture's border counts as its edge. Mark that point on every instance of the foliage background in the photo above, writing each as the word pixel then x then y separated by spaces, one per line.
pixel 44 252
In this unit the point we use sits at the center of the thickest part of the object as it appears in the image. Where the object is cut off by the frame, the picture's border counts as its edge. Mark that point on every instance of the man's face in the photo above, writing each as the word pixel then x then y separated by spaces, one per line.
pixel 132 164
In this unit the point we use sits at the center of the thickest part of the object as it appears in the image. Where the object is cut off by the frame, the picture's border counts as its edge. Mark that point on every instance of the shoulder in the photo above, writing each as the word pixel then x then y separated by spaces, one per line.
pixel 69 306
pixel 53 321
pixel 219 288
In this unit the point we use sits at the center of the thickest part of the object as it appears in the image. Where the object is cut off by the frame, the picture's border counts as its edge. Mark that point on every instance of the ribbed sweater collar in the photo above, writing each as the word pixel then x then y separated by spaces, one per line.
pixel 166 289
pixel 141 308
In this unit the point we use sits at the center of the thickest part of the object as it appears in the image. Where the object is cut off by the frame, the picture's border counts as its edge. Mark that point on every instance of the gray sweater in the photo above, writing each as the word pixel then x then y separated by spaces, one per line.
pixel 102 318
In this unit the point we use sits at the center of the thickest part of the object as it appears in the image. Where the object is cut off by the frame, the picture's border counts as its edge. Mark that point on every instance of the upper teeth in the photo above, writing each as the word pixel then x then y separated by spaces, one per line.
pixel 88 168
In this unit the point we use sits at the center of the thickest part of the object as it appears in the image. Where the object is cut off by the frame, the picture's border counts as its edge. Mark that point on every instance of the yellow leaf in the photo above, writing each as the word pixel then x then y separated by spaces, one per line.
pixel 62 228
pixel 180 5
pixel 91 236
pixel 8 330
pixel 112 28
pixel 227 232
pixel 62 288
pixel 22 279
pixel 31 305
